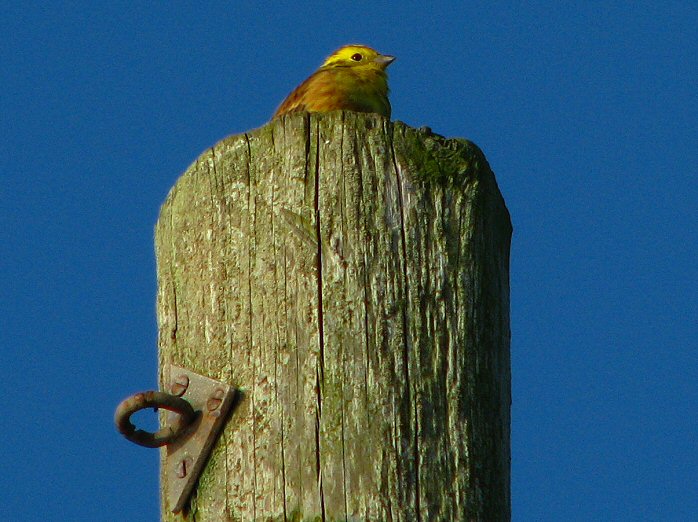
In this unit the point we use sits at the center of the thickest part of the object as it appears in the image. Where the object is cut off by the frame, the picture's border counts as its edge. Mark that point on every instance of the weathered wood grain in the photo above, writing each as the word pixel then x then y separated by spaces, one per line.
pixel 350 276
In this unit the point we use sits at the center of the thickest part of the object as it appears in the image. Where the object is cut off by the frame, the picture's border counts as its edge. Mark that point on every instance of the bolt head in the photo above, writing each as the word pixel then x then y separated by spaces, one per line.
pixel 183 467
pixel 179 385
pixel 215 400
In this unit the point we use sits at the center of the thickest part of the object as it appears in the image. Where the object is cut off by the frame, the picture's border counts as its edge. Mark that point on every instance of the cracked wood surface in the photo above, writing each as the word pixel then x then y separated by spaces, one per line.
pixel 350 276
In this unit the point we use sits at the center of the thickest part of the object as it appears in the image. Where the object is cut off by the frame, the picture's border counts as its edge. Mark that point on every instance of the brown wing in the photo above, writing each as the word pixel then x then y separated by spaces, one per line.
pixel 337 89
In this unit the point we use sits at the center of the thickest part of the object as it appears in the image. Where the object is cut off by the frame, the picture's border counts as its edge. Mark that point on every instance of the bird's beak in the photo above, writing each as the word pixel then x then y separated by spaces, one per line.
pixel 384 60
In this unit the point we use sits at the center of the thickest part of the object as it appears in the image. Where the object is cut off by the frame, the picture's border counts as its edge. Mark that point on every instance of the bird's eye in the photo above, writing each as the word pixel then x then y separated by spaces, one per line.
pixel 357 57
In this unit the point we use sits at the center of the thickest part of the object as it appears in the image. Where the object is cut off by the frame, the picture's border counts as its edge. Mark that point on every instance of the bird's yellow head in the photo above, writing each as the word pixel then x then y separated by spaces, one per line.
pixel 353 78
pixel 358 56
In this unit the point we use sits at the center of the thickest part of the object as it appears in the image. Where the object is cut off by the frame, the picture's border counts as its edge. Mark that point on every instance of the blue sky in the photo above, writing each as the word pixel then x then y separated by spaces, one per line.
pixel 587 115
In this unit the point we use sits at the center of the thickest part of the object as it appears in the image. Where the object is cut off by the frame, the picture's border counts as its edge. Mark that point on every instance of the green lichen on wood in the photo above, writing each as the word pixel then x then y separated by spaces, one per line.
pixel 434 158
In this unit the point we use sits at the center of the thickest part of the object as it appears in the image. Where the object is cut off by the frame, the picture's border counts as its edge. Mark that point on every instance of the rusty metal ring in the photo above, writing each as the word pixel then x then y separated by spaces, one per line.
pixel 153 399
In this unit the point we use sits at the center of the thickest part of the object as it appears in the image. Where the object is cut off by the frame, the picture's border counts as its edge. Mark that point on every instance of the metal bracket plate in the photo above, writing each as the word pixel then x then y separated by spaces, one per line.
pixel 186 457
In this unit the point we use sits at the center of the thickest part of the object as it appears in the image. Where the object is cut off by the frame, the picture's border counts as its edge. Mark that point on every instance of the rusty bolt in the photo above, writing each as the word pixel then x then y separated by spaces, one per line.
pixel 179 385
pixel 214 401
pixel 183 467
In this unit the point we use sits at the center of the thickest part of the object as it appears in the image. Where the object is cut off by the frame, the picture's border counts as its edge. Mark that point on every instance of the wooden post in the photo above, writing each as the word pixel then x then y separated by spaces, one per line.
pixel 350 276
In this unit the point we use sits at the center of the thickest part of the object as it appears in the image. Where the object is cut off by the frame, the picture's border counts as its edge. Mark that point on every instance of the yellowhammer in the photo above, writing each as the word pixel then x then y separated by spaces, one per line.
pixel 352 78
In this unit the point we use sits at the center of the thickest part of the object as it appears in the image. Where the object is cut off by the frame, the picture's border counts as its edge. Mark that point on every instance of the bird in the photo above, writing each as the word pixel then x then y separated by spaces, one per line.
pixel 352 78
